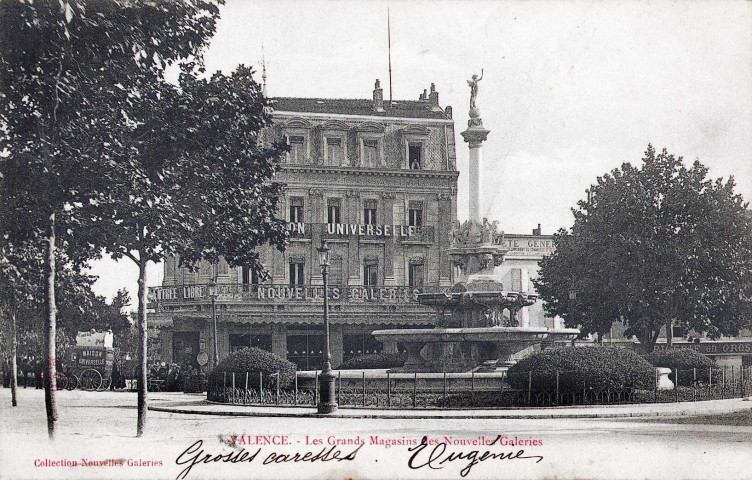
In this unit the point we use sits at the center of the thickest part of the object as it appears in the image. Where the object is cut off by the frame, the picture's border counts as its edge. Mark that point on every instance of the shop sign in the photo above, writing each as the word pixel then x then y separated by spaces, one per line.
pixel 711 348
pixel 202 358
pixel 528 245
pixel 358 230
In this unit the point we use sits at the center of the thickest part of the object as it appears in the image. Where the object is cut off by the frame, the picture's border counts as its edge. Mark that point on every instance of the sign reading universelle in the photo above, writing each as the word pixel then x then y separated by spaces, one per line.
pixel 93 357
pixel 360 230
pixel 711 348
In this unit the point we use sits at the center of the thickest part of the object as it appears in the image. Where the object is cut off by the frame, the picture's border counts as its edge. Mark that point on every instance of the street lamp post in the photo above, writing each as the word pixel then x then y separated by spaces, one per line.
pixel 213 293
pixel 572 300
pixel 327 399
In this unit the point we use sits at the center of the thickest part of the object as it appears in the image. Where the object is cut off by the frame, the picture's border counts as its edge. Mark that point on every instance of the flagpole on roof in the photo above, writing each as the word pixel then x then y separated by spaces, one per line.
pixel 389 40
pixel 263 72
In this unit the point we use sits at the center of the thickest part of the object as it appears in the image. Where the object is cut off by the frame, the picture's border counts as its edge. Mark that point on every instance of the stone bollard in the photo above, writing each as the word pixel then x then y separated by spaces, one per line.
pixel 663 382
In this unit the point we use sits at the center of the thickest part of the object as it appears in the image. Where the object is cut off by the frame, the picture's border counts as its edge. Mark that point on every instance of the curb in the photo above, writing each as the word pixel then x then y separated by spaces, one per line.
pixel 446 416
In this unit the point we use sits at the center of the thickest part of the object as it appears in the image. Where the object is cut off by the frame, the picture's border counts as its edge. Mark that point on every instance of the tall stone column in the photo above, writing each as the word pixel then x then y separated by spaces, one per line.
pixel 475 135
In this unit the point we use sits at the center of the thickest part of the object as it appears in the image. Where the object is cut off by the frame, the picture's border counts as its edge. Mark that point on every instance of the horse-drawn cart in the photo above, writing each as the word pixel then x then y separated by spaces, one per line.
pixel 91 362
pixel 92 366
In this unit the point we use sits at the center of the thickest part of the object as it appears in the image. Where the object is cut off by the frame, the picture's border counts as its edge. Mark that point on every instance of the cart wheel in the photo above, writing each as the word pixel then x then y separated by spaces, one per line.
pixel 90 380
pixel 62 382
pixel 72 381
pixel 105 384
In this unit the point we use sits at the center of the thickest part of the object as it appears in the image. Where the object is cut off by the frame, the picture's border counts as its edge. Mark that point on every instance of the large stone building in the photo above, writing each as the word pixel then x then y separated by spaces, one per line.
pixel 378 180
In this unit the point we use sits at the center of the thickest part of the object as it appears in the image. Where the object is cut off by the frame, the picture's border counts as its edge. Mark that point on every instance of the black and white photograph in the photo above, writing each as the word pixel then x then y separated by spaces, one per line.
pixel 375 239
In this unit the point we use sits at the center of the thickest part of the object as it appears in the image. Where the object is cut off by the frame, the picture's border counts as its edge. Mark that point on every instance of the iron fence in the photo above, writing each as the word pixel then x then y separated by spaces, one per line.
pixel 475 390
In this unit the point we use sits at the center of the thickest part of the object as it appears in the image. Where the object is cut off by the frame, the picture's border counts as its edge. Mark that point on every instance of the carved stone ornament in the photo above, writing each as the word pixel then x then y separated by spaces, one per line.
pixel 389 195
pixel 352 194
pixel 475 233
pixel 315 192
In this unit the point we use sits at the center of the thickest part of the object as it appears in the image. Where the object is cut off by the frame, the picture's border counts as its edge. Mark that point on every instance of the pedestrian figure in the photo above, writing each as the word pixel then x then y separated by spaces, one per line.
pixel 38 374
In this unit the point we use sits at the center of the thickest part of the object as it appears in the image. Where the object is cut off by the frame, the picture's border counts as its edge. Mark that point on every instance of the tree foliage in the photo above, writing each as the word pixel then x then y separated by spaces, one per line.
pixel 654 246
pixel 66 71
pixel 193 179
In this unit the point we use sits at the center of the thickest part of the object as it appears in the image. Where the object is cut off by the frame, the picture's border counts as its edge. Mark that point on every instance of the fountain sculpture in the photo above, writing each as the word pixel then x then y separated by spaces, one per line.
pixel 471 328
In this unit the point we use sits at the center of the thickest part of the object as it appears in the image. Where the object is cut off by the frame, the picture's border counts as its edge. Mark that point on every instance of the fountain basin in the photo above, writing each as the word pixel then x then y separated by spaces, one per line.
pixel 463 349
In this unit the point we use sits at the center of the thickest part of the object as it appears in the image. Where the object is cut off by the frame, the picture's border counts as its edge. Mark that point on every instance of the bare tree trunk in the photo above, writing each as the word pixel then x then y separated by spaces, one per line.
pixel 669 334
pixel 142 371
pixel 50 384
pixel 13 352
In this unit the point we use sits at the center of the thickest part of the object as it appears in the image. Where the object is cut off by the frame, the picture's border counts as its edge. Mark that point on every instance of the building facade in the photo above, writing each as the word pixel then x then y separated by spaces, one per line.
pixel 378 181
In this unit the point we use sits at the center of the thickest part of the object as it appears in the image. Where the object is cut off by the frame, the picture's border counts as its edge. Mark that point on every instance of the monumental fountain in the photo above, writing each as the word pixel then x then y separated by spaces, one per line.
pixel 477 318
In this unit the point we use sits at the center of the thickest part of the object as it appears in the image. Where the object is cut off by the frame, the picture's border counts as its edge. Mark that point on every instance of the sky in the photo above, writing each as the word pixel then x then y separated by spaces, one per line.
pixel 571 90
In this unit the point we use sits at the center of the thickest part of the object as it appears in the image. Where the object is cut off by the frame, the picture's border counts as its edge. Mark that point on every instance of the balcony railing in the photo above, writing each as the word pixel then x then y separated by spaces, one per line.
pixel 266 293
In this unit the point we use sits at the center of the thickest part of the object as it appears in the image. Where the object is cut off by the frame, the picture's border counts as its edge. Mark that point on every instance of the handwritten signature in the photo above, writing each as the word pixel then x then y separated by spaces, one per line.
pixel 195 455
pixel 438 456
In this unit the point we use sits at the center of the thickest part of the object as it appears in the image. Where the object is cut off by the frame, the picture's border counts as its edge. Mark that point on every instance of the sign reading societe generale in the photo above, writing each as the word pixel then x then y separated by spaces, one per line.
pixel 528 245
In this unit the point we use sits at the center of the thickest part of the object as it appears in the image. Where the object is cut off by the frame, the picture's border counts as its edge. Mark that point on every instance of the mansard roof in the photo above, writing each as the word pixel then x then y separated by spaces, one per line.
pixel 354 106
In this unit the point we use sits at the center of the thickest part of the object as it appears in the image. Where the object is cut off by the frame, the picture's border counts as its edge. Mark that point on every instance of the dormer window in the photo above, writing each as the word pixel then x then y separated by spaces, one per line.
pixel 297 148
pixel 335 151
pixel 415 138
pixel 370 139
pixel 334 142
pixel 298 138
pixel 370 153
pixel 415 156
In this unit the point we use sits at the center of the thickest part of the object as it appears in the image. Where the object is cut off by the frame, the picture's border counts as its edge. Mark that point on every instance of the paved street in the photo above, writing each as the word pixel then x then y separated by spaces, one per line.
pixel 101 427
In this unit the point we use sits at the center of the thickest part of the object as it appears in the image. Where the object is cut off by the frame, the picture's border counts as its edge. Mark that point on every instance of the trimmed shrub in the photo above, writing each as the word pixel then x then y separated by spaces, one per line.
pixel 598 369
pixel 685 360
pixel 376 360
pixel 254 360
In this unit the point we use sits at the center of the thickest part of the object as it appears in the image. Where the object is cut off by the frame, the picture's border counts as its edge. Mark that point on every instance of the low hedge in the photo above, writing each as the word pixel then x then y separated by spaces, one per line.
pixel 685 360
pixel 598 369
pixel 375 360
pixel 254 360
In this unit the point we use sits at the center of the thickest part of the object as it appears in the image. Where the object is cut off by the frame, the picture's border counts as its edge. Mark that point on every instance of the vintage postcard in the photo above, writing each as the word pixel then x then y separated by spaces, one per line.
pixel 375 240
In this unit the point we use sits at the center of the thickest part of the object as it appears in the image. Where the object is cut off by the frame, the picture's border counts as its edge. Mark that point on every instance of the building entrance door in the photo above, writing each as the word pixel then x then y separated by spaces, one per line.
pixel 185 348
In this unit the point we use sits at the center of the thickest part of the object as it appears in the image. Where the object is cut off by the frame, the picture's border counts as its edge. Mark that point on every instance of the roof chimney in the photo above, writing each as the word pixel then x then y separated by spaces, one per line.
pixel 433 98
pixel 448 111
pixel 378 97
pixel 537 231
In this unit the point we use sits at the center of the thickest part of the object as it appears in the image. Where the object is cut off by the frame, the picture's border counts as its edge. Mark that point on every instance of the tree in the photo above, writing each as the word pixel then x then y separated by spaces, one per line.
pixel 22 301
pixel 64 71
pixel 195 181
pixel 654 246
